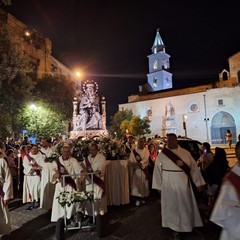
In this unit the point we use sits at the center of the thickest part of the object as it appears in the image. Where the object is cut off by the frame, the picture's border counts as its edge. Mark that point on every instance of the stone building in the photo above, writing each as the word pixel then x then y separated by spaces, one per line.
pixel 203 112
pixel 37 46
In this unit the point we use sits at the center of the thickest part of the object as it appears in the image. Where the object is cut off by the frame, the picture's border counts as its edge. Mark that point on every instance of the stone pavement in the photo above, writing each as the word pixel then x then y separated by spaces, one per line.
pixel 121 222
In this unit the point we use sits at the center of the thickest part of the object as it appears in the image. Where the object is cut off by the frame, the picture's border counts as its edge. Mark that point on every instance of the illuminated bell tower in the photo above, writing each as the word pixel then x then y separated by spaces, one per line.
pixel 159 77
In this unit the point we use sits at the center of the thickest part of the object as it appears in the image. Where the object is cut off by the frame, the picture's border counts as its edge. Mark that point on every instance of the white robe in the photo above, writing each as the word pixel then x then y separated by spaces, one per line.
pixel 6 185
pixel 31 183
pixel 139 183
pixel 100 202
pixel 179 208
pixel 72 167
pixel 47 188
pixel 226 212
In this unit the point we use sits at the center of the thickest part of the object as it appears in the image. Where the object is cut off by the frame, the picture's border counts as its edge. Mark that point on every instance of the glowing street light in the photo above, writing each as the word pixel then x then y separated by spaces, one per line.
pixel 27 33
pixel 78 77
pixel 78 74
pixel 33 106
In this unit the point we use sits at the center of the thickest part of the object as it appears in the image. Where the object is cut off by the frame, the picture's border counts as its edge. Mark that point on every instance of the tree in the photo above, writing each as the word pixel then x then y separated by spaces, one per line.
pixel 58 91
pixel 138 126
pixel 124 126
pixel 118 118
pixel 41 119
pixel 15 84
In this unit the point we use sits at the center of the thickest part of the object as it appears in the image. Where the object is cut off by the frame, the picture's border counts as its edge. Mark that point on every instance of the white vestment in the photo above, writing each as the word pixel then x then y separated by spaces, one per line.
pixel 226 212
pixel 31 183
pixel 47 188
pixel 179 208
pixel 139 183
pixel 7 188
pixel 73 167
pixel 100 202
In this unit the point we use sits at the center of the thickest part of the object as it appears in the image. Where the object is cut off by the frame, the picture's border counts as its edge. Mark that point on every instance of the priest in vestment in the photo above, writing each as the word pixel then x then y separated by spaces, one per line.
pixel 226 212
pixel 139 159
pixel 6 193
pixel 65 165
pixel 178 204
pixel 32 167
pixel 95 163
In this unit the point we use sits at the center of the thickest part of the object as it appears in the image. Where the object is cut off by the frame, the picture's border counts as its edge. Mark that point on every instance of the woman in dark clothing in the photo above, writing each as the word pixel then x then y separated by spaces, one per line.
pixel 218 168
pixel 214 175
pixel 152 158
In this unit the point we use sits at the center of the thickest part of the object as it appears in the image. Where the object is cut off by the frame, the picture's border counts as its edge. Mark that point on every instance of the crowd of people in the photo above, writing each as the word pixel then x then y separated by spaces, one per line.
pixel 30 171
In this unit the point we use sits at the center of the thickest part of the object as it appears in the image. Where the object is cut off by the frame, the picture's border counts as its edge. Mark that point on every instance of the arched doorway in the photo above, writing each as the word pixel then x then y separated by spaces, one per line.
pixel 221 122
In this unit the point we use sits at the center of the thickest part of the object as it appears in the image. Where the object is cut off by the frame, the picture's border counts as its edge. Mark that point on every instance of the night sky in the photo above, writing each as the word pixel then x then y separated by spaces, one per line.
pixel 110 40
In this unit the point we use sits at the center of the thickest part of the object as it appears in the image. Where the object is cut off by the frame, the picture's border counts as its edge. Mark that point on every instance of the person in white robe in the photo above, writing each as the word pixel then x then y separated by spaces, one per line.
pixel 226 212
pixel 178 204
pixel 139 159
pixel 130 146
pixel 70 166
pixel 47 188
pixel 32 167
pixel 6 193
pixel 97 163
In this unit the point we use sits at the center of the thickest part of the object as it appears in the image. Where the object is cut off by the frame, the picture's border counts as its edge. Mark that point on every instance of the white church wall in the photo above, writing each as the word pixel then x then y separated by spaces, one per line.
pixel 191 105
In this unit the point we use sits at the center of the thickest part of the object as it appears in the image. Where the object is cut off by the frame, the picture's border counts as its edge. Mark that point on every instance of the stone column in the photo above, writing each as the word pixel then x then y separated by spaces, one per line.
pixel 74 113
pixel 104 119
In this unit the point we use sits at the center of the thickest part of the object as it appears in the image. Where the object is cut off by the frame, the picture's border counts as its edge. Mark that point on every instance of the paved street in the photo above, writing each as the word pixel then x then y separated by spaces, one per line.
pixel 121 222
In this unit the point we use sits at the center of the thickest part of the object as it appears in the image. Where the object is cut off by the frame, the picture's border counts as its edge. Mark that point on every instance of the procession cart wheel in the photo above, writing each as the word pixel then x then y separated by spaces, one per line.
pixel 60 229
pixel 99 225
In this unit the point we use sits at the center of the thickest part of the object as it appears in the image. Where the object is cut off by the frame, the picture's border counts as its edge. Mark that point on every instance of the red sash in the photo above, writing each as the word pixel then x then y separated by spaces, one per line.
pixel 128 149
pixel 234 179
pixel 96 179
pixel 63 171
pixel 1 192
pixel 34 164
pixel 138 159
pixel 177 160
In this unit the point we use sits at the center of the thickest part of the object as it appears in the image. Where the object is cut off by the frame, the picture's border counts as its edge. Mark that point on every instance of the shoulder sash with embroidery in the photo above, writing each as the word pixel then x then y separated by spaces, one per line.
pixel 63 171
pixel 138 159
pixel 34 164
pixel 96 179
pixel 177 160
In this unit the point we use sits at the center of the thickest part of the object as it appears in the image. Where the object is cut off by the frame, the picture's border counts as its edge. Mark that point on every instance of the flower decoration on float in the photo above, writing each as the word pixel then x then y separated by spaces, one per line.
pixel 67 198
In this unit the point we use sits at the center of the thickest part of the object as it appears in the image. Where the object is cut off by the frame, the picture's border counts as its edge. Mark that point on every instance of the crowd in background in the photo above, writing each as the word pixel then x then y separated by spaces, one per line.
pixel 143 155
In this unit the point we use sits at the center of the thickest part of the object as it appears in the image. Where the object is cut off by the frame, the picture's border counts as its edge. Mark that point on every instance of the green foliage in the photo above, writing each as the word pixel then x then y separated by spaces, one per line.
pixel 124 121
pixel 15 84
pixel 58 91
pixel 138 126
pixel 52 94
pixel 124 126
pixel 118 118
pixel 42 120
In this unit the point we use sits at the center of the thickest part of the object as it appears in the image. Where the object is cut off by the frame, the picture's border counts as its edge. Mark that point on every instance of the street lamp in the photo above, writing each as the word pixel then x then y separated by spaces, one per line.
pixel 78 76
pixel 184 117
pixel 34 108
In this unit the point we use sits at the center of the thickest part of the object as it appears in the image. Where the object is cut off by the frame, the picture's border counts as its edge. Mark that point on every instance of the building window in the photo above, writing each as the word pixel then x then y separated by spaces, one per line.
pixel 194 107
pixel 155 64
pixel 220 102
pixel 149 112
pixel 225 76
pixel 155 82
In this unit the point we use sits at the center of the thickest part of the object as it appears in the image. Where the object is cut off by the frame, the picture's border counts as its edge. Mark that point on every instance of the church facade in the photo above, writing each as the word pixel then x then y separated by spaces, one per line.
pixel 203 112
